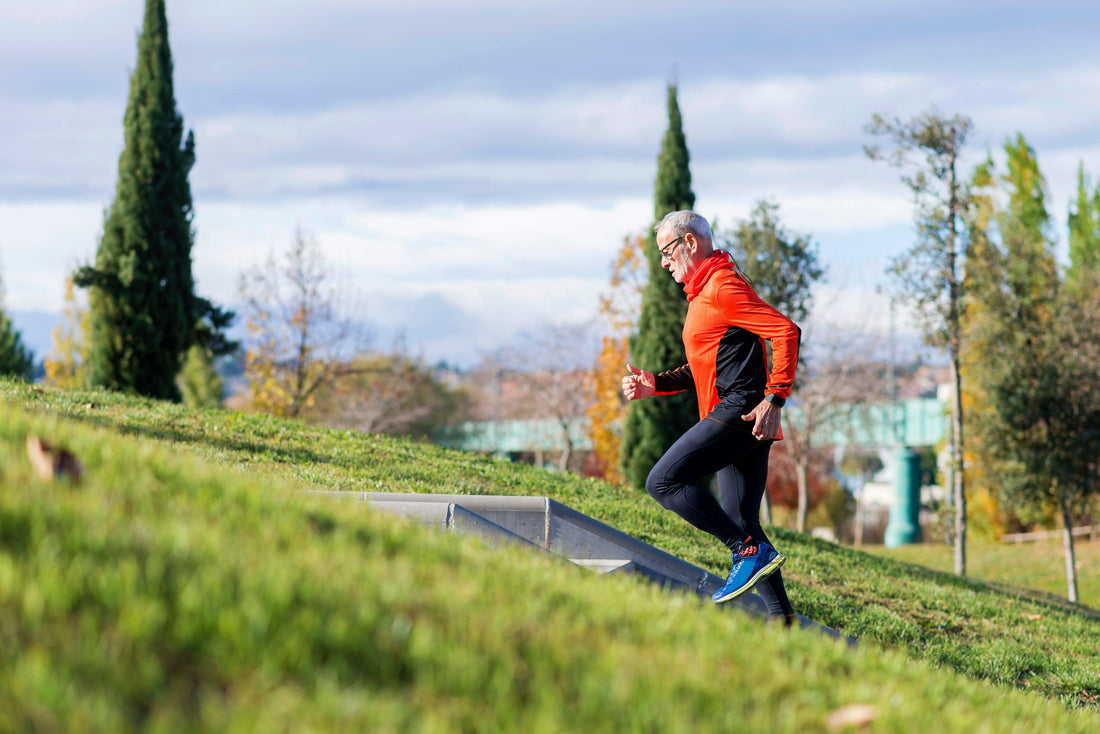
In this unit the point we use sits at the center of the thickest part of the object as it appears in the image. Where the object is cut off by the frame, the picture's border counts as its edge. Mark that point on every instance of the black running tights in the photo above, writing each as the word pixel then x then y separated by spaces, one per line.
pixel 740 462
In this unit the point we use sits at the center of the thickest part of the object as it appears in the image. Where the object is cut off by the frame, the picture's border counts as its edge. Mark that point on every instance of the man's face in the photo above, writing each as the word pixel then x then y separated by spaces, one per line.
pixel 676 254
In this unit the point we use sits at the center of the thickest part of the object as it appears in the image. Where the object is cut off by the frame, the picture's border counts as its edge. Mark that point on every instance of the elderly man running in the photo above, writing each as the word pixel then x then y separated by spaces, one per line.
pixel 740 402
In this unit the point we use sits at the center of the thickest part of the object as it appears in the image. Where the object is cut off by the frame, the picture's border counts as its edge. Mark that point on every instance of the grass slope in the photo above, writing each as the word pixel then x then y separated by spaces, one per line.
pixel 185 584
pixel 1039 565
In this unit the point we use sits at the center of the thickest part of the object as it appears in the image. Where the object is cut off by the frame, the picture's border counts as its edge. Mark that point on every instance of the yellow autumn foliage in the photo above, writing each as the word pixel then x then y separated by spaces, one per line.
pixel 619 312
pixel 70 345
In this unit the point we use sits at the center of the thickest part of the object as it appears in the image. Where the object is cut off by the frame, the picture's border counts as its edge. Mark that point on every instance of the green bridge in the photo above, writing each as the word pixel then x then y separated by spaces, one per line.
pixel 918 422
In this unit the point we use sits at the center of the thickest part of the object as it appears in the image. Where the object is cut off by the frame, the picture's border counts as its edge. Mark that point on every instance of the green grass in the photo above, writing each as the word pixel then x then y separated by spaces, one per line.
pixel 1039 566
pixel 187 584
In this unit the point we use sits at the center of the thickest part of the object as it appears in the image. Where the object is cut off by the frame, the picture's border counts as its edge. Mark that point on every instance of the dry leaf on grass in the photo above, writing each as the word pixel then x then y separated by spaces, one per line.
pixel 854 716
pixel 51 462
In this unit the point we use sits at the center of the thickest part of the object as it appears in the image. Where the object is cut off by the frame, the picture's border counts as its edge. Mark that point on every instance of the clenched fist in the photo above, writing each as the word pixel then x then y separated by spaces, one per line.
pixel 638 384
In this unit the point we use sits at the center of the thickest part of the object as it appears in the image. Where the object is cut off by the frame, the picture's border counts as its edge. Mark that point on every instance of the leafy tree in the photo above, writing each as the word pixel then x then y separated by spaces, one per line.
pixel 862 464
pixel 618 311
pixel 1084 238
pixel 1047 437
pixel 830 395
pixel 1027 238
pixel 929 274
pixel 782 265
pixel 608 409
pixel 144 312
pixel 391 394
pixel 653 425
pixel 785 483
pixel 308 354
pixel 984 275
pixel 1012 285
pixel 1038 371
pixel 839 507
pixel 15 358
pixel 65 364
pixel 301 334
pixel 199 382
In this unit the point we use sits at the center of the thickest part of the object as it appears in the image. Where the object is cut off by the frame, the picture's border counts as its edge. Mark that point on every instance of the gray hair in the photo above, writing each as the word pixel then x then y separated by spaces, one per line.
pixel 684 222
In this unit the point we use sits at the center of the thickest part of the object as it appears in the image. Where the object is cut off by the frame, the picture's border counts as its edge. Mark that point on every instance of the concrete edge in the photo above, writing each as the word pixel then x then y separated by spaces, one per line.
pixel 459 513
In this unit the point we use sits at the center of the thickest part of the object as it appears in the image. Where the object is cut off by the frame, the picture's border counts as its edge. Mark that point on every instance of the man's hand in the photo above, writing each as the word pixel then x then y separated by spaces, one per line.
pixel 638 384
pixel 766 416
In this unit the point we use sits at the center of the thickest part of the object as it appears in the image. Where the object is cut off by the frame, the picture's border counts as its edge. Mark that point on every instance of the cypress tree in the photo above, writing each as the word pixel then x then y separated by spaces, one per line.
pixel 144 314
pixel 653 425
pixel 15 358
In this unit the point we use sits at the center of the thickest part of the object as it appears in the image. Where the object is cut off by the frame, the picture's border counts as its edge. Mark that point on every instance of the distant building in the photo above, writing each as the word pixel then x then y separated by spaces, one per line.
pixel 539 441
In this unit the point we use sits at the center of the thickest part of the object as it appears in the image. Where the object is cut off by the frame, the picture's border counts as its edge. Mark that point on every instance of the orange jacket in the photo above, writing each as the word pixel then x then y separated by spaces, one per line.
pixel 724 335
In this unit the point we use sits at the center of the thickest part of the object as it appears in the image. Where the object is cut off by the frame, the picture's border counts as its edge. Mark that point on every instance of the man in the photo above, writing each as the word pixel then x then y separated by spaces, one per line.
pixel 740 402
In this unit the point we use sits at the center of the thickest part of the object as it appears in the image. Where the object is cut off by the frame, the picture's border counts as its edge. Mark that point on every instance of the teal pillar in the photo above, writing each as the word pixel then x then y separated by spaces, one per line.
pixel 904 524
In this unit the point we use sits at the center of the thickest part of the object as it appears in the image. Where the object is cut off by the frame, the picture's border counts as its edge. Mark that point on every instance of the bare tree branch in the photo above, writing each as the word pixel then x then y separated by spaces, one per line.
pixel 302 329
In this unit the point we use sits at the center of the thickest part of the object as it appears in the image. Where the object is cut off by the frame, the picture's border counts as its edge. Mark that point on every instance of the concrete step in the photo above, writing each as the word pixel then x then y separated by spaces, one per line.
pixel 606 565
pixel 556 528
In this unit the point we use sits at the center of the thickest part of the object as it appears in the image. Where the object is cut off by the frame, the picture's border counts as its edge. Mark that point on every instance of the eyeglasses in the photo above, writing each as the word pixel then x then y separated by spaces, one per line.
pixel 667 250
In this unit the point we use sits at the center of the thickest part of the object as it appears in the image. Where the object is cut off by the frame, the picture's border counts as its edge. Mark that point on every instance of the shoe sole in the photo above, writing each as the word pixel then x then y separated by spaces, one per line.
pixel 759 576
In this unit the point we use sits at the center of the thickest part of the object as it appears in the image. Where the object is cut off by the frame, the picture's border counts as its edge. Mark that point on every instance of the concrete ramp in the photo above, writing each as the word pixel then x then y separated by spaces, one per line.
pixel 555 528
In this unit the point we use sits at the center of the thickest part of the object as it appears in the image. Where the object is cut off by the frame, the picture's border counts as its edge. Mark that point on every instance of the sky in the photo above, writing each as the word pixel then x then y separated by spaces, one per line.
pixel 470 168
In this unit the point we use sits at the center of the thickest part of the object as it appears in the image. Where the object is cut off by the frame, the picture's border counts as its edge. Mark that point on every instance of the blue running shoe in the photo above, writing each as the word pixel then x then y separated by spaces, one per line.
pixel 751 563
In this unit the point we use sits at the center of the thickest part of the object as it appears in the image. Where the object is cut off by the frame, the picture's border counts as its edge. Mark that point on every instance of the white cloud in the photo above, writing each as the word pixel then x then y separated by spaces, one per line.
pixel 845 194
pixel 40 245
pixel 1046 106
pixel 799 110
pixel 506 268
pixel 445 127
pixel 68 146
pixel 25 11
pixel 486 158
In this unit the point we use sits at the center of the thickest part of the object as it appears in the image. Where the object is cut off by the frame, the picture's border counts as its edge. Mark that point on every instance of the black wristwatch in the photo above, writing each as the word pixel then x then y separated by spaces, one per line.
pixel 775 400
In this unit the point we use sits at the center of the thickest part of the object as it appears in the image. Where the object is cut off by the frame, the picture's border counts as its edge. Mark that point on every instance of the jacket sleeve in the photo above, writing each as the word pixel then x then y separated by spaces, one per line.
pixel 670 382
pixel 741 307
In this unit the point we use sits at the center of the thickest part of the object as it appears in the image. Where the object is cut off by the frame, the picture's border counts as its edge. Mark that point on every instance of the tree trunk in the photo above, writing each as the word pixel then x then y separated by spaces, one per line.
pixel 958 476
pixel 803 494
pixel 765 508
pixel 567 449
pixel 1071 556
pixel 859 512
pixel 954 346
